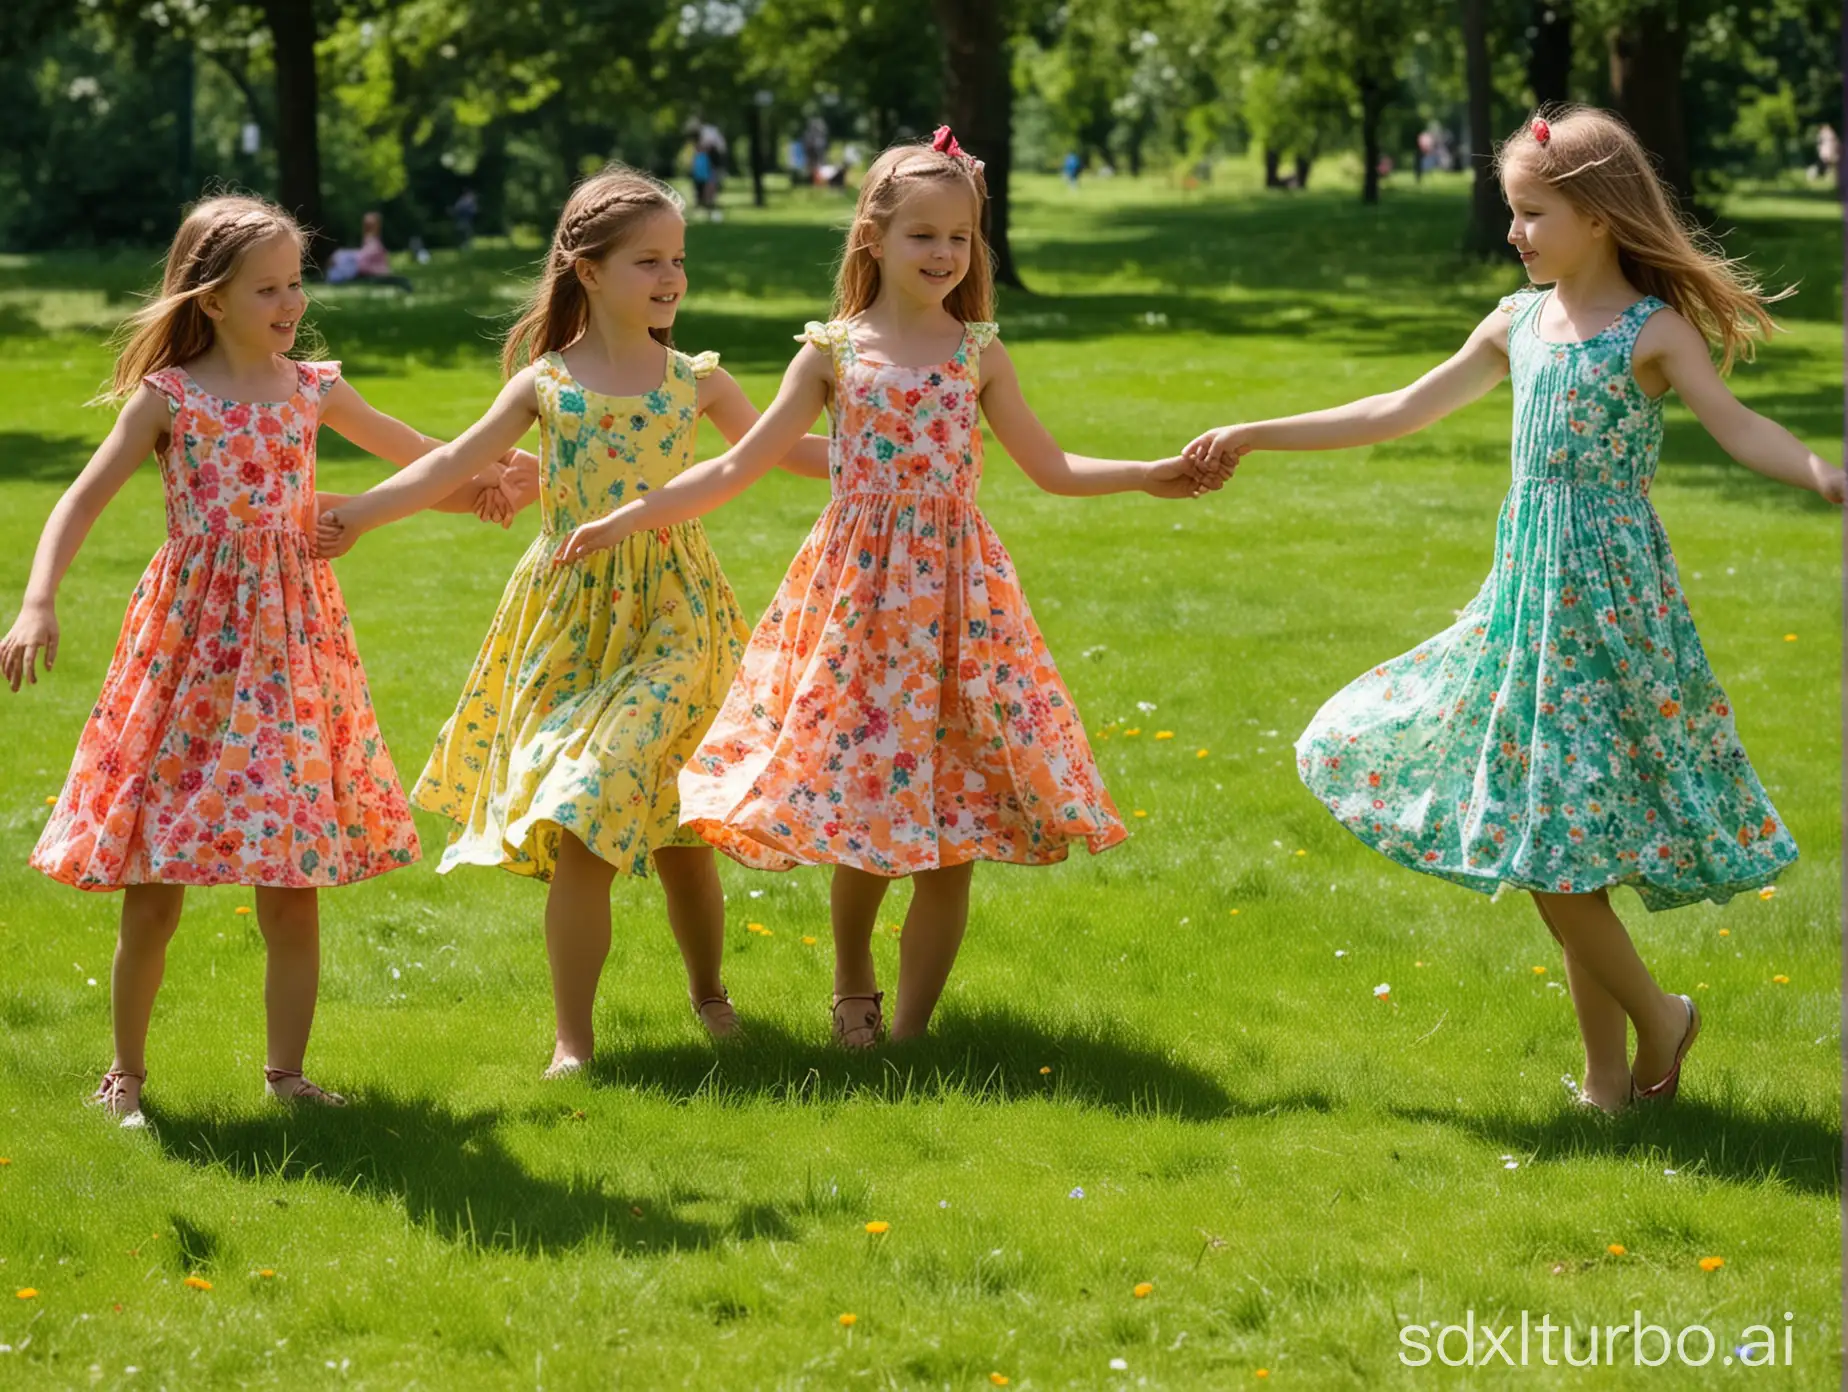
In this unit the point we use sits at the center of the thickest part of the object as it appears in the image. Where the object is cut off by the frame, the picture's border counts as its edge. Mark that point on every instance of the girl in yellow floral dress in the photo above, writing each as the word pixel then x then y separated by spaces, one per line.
pixel 897 713
pixel 597 680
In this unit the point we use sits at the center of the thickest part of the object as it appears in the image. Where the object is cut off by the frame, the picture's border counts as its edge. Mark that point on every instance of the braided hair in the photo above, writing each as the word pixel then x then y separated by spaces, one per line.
pixel 602 211
pixel 173 328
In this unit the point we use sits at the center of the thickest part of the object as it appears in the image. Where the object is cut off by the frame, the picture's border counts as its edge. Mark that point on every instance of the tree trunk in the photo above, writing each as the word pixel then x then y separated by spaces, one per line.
pixel 978 95
pixel 1303 165
pixel 1646 54
pixel 298 146
pixel 1549 59
pixel 1372 105
pixel 1487 233
pixel 1273 167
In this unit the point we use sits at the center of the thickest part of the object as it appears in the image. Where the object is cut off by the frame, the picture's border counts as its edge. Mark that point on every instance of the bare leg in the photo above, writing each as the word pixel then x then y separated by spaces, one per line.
pixel 854 898
pixel 927 951
pixel 1603 1026
pixel 696 913
pixel 291 924
pixel 150 914
pixel 1594 936
pixel 577 940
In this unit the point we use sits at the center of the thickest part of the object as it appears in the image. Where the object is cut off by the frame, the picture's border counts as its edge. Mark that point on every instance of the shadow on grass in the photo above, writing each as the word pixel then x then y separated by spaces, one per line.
pixel 989 1059
pixel 1801 1151
pixel 26 456
pixel 449 1170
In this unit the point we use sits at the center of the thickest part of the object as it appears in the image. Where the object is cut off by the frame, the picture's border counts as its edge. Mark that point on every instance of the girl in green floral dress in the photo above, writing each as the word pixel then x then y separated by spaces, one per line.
pixel 1566 734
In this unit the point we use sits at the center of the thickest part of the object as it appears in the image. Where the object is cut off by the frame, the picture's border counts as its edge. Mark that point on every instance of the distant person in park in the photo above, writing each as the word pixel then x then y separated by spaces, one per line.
pixel 368 263
pixel 1828 154
pixel 234 742
pixel 465 210
pixel 1566 736
pixel 798 164
pixel 845 740
pixel 709 152
pixel 597 678
pixel 1073 166
pixel 815 143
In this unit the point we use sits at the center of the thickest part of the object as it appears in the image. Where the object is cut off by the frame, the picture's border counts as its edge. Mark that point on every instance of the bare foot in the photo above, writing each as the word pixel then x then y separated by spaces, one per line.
pixel 564 1064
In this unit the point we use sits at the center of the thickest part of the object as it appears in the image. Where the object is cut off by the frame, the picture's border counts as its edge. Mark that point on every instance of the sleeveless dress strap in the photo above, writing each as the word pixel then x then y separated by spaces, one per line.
pixel 831 337
pixel 316 379
pixel 170 382
pixel 982 332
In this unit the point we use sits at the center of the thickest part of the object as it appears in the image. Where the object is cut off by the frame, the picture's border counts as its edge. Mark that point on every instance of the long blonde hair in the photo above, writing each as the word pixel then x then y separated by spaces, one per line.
pixel 602 211
pixel 894 176
pixel 1592 158
pixel 173 327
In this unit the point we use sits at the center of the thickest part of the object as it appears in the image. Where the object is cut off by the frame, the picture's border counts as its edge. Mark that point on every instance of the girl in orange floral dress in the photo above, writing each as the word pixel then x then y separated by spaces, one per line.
pixel 234 741
pixel 897 713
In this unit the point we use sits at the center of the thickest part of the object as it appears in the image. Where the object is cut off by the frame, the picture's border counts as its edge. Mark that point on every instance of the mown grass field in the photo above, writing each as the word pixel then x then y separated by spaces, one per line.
pixel 1164 1065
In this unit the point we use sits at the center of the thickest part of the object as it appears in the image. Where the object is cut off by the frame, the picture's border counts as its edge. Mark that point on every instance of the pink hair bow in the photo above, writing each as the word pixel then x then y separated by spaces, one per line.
pixel 944 142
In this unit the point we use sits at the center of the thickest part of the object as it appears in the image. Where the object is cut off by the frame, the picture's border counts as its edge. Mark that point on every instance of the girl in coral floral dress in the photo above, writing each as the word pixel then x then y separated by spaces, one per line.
pixel 897 713
pixel 234 741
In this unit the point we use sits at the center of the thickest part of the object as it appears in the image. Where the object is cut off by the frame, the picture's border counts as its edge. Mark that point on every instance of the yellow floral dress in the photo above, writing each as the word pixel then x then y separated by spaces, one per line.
pixel 597 680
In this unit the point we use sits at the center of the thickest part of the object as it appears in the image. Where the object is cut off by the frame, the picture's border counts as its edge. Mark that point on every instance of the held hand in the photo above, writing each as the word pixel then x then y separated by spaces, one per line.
pixel 332 536
pixel 1174 478
pixel 519 481
pixel 34 631
pixel 1217 452
pixel 601 535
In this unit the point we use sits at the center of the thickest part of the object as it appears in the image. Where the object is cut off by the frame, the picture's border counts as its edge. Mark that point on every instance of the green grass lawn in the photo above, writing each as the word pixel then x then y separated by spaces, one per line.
pixel 1163 1065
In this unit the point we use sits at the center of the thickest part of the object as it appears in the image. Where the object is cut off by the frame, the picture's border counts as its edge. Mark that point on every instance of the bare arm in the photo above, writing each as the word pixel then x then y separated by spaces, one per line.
pixel 722 399
pixel 136 433
pixel 704 487
pixel 1675 348
pixel 1469 374
pixel 1032 447
pixel 437 473
pixel 351 416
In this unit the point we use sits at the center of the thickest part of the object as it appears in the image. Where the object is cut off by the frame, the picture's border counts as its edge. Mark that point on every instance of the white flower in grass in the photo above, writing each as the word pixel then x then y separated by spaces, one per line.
pixel 1119 1365
pixel 1146 707
pixel 1076 1194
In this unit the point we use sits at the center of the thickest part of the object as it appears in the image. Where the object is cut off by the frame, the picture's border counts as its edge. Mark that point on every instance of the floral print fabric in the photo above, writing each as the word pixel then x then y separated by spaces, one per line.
pixel 1566 733
pixel 596 680
pixel 897 709
pixel 234 741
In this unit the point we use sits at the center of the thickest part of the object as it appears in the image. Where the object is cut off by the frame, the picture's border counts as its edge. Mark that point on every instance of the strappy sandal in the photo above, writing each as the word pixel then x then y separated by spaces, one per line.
pixel 302 1091
pixel 724 1022
pixel 864 1032
pixel 1665 1090
pixel 112 1095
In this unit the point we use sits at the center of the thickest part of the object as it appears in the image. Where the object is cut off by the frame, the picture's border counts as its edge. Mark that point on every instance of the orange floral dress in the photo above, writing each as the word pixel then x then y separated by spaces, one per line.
pixel 897 709
pixel 234 740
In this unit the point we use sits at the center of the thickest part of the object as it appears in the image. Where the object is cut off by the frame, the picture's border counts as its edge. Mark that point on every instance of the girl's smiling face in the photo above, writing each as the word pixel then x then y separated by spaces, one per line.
pixel 643 278
pixel 924 251
pixel 1552 236
pixel 261 304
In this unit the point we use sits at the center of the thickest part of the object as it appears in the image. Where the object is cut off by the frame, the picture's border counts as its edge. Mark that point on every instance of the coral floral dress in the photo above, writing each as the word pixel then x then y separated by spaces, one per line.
pixel 897 709
pixel 234 741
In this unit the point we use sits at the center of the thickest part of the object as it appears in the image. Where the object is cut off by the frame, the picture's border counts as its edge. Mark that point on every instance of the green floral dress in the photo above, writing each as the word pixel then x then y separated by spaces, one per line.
pixel 597 679
pixel 1566 733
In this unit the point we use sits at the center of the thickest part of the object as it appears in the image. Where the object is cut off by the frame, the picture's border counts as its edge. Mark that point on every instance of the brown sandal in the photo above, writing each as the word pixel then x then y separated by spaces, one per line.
pixel 864 1032
pixel 112 1095
pixel 724 1023
pixel 302 1091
